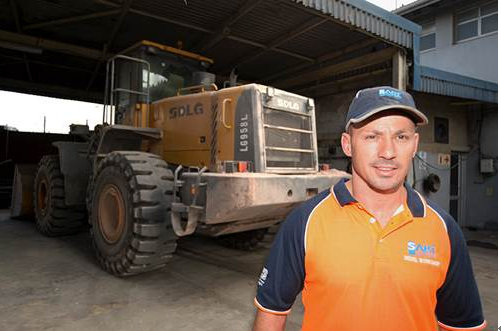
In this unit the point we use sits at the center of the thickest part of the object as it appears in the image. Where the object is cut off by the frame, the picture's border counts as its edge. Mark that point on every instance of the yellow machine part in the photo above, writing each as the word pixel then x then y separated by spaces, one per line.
pixel 188 122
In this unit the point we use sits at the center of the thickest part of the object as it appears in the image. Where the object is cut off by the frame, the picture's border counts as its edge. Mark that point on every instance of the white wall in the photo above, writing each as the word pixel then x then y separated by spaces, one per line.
pixel 475 58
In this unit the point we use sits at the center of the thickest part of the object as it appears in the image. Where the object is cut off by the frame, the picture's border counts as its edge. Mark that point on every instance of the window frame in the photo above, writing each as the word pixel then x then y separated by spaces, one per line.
pixel 429 28
pixel 478 19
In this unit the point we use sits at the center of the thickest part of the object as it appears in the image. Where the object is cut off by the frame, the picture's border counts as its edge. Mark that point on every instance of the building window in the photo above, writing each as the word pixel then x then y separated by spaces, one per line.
pixel 427 37
pixel 441 130
pixel 476 22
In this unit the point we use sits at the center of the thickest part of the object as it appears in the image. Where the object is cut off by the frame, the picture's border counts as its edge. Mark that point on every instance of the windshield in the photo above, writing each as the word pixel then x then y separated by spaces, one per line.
pixel 168 73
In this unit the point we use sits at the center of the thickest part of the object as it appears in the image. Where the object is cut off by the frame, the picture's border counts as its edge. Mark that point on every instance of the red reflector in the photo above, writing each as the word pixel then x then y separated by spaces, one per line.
pixel 242 166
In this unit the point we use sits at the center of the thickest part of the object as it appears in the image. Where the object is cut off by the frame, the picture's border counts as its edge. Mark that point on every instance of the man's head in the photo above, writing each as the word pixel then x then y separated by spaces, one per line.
pixel 381 136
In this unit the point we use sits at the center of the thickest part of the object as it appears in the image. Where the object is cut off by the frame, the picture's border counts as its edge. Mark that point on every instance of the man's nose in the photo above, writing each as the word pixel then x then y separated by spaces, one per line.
pixel 387 148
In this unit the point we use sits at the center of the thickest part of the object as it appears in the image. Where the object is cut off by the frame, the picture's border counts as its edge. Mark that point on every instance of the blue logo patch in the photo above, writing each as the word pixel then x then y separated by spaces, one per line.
pixel 417 249
pixel 390 93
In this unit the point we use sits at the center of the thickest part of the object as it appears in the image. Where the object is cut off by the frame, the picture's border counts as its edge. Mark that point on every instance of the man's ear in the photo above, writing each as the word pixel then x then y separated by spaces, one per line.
pixel 416 143
pixel 346 143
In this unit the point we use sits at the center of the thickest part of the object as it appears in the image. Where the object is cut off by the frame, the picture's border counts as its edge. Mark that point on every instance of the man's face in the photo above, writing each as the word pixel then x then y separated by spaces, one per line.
pixel 381 148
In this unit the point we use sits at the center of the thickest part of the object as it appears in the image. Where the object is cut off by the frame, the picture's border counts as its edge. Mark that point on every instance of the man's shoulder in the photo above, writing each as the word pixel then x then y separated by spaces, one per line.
pixel 297 219
pixel 450 223
pixel 305 209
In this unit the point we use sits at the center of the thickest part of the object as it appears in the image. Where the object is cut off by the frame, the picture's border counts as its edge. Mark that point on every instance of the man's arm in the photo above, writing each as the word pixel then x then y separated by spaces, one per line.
pixel 458 301
pixel 269 322
pixel 282 277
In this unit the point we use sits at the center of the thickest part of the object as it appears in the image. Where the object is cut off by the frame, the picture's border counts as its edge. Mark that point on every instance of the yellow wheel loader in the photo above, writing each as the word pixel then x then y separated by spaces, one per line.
pixel 176 155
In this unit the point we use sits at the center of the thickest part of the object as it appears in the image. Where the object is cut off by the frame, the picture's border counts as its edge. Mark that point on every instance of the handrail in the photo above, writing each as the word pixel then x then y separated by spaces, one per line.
pixel 223 113
pixel 110 88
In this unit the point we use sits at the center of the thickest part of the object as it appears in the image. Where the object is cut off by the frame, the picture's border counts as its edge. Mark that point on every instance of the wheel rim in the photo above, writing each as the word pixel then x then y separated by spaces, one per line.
pixel 111 213
pixel 42 197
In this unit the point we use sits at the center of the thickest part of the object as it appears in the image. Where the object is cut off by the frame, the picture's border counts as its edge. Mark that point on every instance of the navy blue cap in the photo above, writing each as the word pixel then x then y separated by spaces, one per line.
pixel 373 100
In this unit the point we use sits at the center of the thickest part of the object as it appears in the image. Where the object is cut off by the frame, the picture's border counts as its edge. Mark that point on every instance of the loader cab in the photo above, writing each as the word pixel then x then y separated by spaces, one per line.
pixel 147 72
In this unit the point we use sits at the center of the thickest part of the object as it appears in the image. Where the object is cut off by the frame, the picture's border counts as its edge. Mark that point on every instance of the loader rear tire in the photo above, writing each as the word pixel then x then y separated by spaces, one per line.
pixel 129 205
pixel 53 216
pixel 244 241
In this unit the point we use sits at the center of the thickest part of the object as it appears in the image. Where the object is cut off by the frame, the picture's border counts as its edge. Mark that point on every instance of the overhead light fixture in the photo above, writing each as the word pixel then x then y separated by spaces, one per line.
pixel 20 48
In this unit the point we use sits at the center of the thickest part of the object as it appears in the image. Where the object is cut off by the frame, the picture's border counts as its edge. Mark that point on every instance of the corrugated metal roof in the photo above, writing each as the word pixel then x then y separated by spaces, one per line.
pixel 327 37
pixel 268 40
pixel 446 83
pixel 368 17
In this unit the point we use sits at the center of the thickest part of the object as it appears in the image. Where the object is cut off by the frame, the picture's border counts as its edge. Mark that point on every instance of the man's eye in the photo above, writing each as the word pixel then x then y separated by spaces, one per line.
pixel 370 137
pixel 402 137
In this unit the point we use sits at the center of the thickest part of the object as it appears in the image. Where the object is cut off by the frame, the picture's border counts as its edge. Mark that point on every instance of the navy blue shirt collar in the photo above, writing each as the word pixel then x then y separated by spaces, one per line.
pixel 414 202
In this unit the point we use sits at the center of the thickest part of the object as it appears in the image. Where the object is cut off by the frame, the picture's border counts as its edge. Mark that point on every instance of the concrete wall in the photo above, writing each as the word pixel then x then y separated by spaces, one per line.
pixel 481 205
pixel 476 58
pixel 427 161
pixel 424 164
pixel 440 106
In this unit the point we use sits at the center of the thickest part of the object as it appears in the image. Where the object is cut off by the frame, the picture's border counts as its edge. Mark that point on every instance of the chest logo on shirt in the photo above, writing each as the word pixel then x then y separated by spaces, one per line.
pixel 421 253
pixel 417 249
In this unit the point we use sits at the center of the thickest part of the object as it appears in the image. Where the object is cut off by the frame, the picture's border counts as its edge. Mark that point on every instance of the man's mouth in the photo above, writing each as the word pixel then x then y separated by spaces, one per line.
pixel 385 169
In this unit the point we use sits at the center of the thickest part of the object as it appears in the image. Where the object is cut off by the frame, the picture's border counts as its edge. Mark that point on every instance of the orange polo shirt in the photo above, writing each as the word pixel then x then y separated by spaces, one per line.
pixel 355 275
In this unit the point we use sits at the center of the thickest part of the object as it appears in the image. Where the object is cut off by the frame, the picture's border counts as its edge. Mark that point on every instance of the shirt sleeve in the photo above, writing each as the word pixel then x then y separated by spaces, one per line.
pixel 283 275
pixel 458 301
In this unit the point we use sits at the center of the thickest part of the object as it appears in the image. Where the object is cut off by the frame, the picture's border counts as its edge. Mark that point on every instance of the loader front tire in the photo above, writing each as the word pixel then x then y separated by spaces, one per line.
pixel 53 216
pixel 129 204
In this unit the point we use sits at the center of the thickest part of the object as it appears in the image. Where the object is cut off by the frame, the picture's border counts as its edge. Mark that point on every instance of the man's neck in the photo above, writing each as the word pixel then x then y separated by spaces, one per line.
pixel 380 204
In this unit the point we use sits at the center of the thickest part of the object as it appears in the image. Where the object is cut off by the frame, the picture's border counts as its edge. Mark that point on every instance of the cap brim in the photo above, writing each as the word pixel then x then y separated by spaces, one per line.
pixel 419 116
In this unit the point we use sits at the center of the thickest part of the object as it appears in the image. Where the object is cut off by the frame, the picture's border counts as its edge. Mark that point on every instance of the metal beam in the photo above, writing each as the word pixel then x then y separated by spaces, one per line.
pixel 332 87
pixel 15 13
pixel 111 40
pixel 323 58
pixel 224 29
pixel 49 90
pixel 334 69
pixel 50 45
pixel 73 19
pixel 306 26
pixel 20 60
pixel 278 50
pixel 158 17
pixel 14 62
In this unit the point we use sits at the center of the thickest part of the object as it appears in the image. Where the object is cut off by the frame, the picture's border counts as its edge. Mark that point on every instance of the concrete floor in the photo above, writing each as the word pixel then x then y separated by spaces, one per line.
pixel 55 284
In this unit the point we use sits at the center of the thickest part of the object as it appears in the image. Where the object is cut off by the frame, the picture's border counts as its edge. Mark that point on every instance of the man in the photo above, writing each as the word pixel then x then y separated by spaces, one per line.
pixel 371 253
